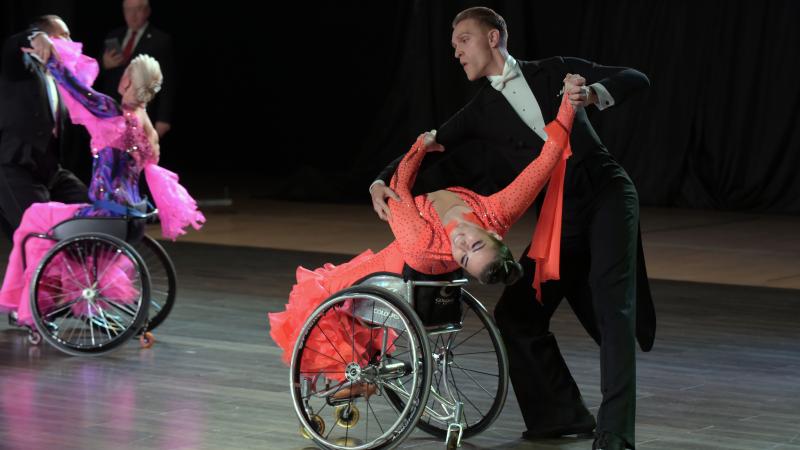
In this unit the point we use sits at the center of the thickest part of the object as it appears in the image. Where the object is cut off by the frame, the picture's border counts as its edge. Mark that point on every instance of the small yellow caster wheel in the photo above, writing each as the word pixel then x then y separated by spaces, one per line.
pixel 146 340
pixel 317 423
pixel 34 338
pixel 346 416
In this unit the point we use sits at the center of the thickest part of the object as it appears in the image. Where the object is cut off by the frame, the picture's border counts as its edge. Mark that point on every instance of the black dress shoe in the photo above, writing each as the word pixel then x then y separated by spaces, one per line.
pixel 608 441
pixel 583 429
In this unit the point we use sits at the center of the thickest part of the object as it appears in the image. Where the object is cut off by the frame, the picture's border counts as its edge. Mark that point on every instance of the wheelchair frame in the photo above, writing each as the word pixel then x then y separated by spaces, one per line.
pixel 443 405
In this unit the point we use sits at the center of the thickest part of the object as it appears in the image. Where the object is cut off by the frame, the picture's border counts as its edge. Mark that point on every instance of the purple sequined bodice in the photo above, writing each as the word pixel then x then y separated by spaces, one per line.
pixel 117 169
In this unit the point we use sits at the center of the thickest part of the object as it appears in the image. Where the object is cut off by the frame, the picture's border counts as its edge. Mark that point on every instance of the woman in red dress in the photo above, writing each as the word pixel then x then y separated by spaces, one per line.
pixel 436 233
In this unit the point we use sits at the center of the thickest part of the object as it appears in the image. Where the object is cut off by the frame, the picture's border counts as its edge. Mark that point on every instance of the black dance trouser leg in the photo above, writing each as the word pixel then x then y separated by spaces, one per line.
pixel 19 189
pixel 612 278
pixel 547 394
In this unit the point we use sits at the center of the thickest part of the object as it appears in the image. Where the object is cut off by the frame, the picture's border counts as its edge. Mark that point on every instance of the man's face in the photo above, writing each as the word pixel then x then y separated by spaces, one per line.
pixel 58 29
pixel 136 13
pixel 472 48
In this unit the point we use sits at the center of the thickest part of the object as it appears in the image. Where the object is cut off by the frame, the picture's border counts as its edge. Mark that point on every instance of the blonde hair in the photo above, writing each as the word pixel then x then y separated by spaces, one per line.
pixel 146 77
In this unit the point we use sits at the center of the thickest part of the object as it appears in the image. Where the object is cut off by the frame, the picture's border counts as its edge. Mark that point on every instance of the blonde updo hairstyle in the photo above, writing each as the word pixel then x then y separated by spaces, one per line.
pixel 146 78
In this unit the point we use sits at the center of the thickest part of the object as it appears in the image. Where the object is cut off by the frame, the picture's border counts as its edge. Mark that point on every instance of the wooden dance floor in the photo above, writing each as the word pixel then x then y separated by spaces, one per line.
pixel 724 373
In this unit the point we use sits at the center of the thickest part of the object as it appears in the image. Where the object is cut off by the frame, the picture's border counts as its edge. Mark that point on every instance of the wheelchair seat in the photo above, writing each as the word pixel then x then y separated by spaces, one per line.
pixel 127 229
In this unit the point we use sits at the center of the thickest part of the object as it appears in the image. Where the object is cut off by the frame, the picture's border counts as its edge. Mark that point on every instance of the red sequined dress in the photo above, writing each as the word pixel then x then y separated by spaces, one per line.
pixel 420 241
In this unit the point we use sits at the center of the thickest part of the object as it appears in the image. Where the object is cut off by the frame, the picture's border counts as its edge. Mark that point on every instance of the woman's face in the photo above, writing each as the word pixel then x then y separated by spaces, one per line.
pixel 473 247
pixel 124 83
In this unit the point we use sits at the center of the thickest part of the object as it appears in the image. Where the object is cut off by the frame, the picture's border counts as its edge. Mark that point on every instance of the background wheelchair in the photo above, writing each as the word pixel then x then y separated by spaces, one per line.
pixel 102 283
pixel 447 375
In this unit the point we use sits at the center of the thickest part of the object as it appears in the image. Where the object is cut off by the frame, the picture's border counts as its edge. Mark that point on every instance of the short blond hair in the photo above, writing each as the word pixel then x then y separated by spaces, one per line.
pixel 486 18
pixel 146 77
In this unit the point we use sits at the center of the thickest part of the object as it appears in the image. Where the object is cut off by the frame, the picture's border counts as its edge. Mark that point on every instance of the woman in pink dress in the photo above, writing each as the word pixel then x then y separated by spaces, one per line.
pixel 124 144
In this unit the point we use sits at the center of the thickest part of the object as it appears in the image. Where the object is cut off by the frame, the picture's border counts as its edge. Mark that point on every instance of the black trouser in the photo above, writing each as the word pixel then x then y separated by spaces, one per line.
pixel 598 278
pixel 40 181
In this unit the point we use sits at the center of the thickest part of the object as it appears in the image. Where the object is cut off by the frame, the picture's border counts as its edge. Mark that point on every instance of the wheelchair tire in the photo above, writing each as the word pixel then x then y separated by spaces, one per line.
pixel 163 281
pixel 391 353
pixel 482 408
pixel 87 294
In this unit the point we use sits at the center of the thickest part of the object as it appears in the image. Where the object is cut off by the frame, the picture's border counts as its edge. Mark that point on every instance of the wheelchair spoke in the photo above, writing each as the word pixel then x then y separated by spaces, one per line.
pixel 121 308
pixel 109 264
pixel 161 293
pixel 95 246
pixel 75 280
pixel 71 333
pixel 462 395
pixel 398 337
pixel 344 328
pixel 398 355
pixel 63 307
pixel 458 397
pixel 319 326
pixel 51 286
pixel 91 316
pixel 377 420
pixel 465 340
pixel 105 321
pixel 57 298
pixel 83 264
pixel 349 405
pixel 478 353
pixel 476 371
pixel 325 355
pixel 371 339
pixel 466 372
pixel 353 331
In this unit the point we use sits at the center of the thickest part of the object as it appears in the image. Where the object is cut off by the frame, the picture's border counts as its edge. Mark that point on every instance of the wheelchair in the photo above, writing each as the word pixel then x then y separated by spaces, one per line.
pixel 447 375
pixel 102 283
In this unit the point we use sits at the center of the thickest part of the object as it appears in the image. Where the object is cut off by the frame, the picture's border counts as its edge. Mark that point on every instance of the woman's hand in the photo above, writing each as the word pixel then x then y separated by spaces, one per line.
pixel 42 48
pixel 578 94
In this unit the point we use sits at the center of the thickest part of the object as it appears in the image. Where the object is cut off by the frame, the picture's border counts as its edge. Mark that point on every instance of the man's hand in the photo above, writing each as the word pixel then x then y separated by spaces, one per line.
pixel 578 94
pixel 41 47
pixel 380 193
pixel 112 59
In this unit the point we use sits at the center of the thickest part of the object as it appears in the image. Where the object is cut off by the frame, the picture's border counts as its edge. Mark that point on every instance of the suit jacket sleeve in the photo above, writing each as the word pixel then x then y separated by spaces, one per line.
pixel 621 82
pixel 457 129
pixel 13 65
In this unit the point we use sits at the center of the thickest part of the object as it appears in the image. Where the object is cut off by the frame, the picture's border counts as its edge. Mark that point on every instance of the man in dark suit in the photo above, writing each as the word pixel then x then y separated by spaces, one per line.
pixel 500 130
pixel 124 44
pixel 32 126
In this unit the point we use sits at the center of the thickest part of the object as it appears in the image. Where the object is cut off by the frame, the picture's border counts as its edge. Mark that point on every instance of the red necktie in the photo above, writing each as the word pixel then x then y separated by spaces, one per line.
pixel 129 46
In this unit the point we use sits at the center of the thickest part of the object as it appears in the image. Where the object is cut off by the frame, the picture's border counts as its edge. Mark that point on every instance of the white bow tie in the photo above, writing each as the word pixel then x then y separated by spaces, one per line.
pixel 499 82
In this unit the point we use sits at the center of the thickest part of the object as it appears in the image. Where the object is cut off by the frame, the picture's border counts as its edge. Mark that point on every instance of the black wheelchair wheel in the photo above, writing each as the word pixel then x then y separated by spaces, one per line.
pixel 88 294
pixel 357 346
pixel 163 281
pixel 476 372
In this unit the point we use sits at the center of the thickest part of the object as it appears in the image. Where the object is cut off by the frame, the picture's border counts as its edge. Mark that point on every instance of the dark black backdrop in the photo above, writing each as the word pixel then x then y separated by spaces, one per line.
pixel 309 100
